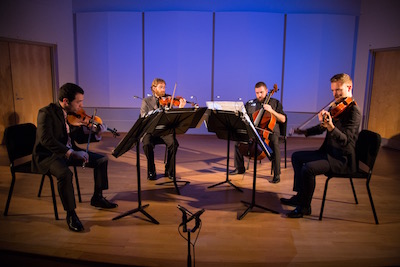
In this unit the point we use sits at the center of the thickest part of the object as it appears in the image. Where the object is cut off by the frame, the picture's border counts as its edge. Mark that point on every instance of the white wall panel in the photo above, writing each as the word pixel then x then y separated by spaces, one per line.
pixel 317 47
pixel 178 49
pixel 109 49
pixel 248 49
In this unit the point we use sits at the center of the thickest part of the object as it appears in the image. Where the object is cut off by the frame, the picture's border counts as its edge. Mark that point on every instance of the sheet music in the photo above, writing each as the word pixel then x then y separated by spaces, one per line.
pixel 234 106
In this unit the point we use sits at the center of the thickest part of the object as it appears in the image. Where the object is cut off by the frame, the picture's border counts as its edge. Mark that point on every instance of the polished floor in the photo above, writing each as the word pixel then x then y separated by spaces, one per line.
pixel 347 235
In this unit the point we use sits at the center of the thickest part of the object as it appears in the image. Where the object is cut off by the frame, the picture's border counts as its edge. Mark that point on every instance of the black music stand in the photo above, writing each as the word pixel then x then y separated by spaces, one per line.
pixel 237 126
pixel 175 121
pixel 130 140
pixel 253 133
pixel 227 125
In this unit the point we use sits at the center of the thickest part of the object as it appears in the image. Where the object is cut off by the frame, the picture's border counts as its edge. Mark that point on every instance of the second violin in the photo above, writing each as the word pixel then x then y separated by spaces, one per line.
pixel 167 100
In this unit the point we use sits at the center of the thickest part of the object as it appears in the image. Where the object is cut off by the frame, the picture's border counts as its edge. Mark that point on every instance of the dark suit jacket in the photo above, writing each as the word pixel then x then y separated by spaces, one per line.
pixel 340 143
pixel 51 137
pixel 148 104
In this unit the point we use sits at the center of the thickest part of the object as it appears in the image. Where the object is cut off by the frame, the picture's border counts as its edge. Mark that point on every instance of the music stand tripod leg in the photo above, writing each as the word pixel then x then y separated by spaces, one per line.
pixel 140 208
pixel 227 171
pixel 253 197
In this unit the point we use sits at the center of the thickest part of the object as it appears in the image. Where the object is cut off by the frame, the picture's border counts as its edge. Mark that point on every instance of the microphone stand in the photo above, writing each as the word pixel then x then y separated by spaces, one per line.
pixel 185 220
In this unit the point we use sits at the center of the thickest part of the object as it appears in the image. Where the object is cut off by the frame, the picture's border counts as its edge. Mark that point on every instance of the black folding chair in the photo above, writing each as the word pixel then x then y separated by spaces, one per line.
pixel 20 140
pixel 367 148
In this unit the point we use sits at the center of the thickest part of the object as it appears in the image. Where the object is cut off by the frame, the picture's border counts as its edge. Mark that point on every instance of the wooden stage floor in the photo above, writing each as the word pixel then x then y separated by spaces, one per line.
pixel 347 235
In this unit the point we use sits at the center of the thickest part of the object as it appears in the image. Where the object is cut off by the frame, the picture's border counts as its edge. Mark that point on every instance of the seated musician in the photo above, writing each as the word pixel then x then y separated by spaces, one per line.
pixel 274 107
pixel 55 150
pixel 337 153
pixel 150 103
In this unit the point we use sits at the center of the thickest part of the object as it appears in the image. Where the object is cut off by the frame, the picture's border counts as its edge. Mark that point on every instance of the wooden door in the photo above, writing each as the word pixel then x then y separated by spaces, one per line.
pixel 26 82
pixel 31 78
pixel 384 114
pixel 7 114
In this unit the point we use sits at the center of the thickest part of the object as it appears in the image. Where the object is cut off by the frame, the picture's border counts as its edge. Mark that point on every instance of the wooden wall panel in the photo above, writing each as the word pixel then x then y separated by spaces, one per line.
pixel 384 115
pixel 7 116
pixel 31 78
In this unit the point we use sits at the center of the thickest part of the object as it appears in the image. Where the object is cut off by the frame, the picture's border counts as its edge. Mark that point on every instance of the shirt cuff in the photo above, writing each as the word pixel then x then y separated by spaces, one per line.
pixel 69 152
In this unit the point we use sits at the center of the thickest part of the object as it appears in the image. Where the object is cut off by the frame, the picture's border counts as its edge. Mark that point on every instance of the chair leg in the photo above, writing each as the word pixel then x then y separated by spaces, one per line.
pixel 354 190
pixel 372 202
pixel 272 166
pixel 41 185
pixel 285 153
pixel 323 198
pixel 53 195
pixel 10 194
pixel 78 189
pixel 165 154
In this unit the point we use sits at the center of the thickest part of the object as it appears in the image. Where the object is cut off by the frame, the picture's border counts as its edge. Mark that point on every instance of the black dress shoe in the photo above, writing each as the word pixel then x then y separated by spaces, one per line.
pixel 293 201
pixel 299 212
pixel 151 176
pixel 169 175
pixel 74 224
pixel 236 171
pixel 102 202
pixel 276 179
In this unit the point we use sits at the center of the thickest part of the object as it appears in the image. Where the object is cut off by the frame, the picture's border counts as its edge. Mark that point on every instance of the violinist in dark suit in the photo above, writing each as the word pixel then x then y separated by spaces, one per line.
pixel 337 152
pixel 275 108
pixel 55 150
pixel 151 103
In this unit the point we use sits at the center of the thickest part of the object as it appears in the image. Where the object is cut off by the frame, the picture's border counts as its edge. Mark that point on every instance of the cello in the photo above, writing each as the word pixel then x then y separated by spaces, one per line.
pixel 264 122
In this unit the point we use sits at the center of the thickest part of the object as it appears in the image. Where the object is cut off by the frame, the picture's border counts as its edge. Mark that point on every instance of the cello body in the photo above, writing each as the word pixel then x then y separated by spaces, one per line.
pixel 264 122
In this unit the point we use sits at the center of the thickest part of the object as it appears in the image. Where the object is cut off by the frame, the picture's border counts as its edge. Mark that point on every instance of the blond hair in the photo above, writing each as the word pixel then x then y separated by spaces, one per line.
pixel 156 82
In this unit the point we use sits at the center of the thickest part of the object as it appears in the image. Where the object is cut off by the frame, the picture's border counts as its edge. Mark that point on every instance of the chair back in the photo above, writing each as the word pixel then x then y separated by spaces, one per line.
pixel 282 128
pixel 19 140
pixel 367 147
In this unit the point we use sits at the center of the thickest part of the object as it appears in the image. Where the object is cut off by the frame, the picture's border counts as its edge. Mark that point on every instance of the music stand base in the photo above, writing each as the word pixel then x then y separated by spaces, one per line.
pixel 138 209
pixel 251 206
pixel 226 181
pixel 175 184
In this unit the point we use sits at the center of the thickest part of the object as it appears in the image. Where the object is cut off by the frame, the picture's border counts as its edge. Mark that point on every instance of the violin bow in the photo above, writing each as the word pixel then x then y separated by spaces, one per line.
pixel 172 99
pixel 90 134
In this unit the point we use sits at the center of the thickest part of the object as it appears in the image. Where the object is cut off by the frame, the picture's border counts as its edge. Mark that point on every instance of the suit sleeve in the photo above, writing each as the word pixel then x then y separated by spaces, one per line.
pixel 45 134
pixel 348 129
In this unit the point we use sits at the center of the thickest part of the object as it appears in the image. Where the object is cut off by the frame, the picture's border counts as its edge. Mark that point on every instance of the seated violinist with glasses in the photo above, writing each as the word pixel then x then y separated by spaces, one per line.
pixel 159 100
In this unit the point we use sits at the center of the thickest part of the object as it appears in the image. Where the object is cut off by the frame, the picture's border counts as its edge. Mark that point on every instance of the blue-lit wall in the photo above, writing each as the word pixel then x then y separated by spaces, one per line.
pixel 173 40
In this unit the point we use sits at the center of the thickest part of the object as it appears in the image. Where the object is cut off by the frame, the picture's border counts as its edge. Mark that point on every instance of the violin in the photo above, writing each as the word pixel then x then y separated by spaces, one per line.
pixel 80 118
pixel 337 108
pixel 167 100
pixel 265 123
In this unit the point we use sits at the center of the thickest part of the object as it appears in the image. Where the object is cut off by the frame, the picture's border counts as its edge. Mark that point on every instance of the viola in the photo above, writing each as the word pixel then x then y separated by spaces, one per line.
pixel 265 122
pixel 80 118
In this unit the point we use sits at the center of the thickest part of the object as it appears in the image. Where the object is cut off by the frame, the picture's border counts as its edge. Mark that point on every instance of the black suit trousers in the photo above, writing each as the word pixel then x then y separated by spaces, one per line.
pixel 307 165
pixel 60 169
pixel 149 142
pixel 276 157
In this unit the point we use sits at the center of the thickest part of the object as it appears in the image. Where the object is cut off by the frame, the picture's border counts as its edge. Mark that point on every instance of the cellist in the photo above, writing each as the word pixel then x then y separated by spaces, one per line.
pixel 274 108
